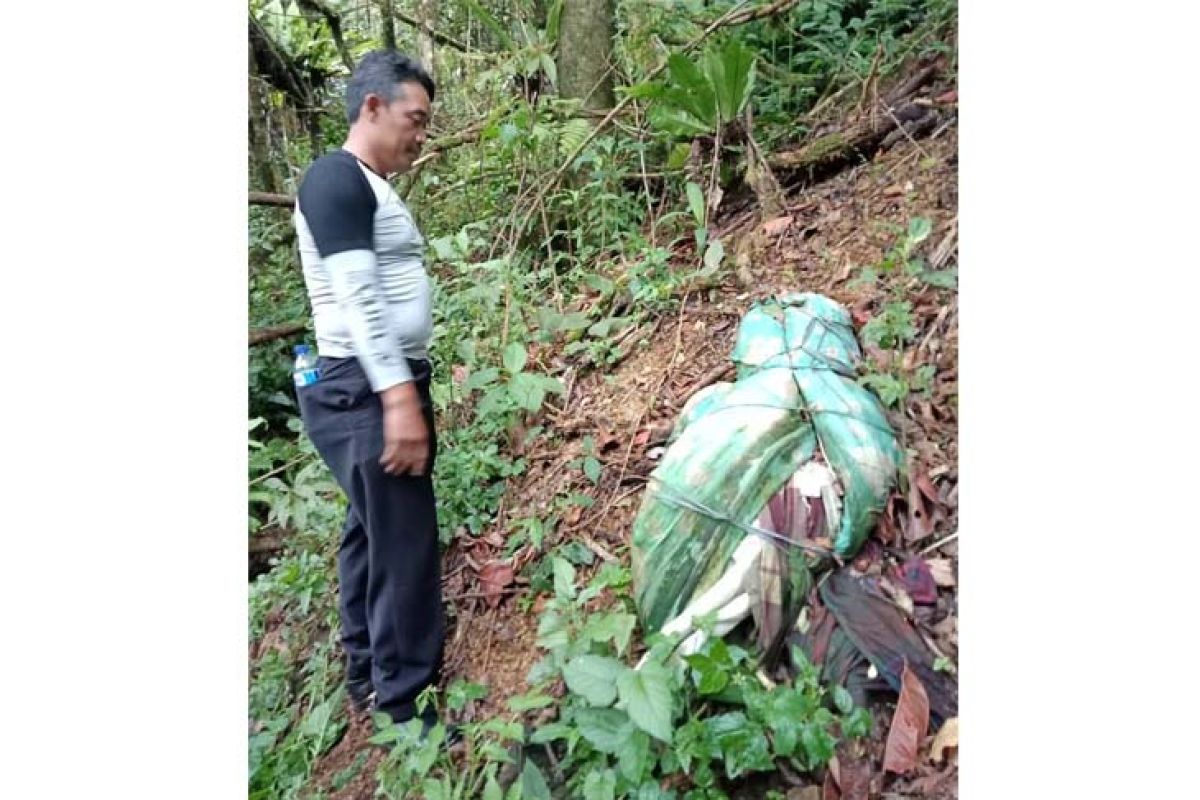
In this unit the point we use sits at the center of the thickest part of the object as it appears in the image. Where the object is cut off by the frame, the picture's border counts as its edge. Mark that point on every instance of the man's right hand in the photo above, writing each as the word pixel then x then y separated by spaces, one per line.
pixel 405 435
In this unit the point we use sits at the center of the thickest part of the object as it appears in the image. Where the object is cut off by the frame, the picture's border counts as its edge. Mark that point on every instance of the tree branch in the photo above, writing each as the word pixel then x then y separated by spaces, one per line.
pixel 274 332
pixel 271 199
pixel 440 38
pixel 335 27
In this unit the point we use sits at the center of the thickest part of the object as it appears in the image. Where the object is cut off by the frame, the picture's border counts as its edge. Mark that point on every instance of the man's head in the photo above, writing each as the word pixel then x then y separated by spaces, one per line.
pixel 387 105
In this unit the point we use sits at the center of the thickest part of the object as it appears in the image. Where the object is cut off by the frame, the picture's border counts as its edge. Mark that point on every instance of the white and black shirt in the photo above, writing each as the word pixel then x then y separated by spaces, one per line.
pixel 364 269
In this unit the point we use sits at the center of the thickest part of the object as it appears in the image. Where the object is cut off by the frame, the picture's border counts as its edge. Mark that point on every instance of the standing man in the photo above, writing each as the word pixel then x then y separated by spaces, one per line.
pixel 369 413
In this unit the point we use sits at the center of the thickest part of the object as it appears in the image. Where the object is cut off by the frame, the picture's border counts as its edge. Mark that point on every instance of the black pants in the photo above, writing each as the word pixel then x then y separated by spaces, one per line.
pixel 389 567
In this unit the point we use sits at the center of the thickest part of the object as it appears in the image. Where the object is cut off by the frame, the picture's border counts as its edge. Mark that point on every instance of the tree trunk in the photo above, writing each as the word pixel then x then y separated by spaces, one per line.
pixel 584 53
pixel 388 19
pixel 427 14
pixel 262 170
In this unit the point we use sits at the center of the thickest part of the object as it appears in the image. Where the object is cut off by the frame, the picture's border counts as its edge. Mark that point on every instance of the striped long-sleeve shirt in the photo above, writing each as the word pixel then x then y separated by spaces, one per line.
pixel 363 267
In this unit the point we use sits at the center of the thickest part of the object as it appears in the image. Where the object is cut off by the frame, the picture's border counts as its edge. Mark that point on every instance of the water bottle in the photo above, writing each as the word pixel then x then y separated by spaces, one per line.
pixel 304 371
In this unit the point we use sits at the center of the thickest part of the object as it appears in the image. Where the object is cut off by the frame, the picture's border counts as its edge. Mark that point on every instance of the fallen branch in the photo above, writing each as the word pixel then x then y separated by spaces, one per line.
pixel 276 332
pixel 271 199
pixel 441 38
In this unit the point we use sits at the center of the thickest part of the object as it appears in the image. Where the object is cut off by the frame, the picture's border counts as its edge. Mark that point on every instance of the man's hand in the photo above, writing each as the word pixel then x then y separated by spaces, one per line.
pixel 405 436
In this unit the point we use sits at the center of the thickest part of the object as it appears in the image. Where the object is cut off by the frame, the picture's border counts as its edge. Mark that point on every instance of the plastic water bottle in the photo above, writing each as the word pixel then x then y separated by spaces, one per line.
pixel 304 371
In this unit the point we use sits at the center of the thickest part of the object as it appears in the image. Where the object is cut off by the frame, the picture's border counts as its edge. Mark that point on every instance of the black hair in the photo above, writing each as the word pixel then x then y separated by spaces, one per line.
pixel 381 72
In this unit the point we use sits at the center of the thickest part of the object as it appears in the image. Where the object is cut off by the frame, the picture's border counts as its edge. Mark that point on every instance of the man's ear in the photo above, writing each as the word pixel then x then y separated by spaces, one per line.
pixel 372 105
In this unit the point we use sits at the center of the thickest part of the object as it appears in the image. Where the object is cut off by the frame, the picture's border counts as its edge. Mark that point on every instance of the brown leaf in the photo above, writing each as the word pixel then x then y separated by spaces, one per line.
pixel 942 571
pixel 493 578
pixel 947 98
pixel 807 793
pixel 460 373
pixel 946 738
pixel 642 437
pixel 921 522
pixel 909 725
pixel 829 791
pixel 927 488
pixel 853 777
pixel 774 227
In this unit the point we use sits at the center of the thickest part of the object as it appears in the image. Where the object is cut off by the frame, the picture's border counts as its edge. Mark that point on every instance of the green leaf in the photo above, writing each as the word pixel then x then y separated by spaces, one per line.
pixel 533 785
pixel 692 92
pixel 600 785
pixel 491 789
pixel 919 229
pixel 614 626
pixel 712 257
pixel 731 73
pixel 527 391
pixel 463 240
pixel 842 700
pixel 633 756
pixel 572 134
pixel 514 357
pixel 529 701
pixel 709 678
pixel 480 379
pixel 592 468
pixel 548 733
pixel 553 22
pixel 943 279
pixel 444 248
pixel 646 696
pixel 604 728
pixel 695 197
pixel 594 678
pixel 553 629
pixel 564 578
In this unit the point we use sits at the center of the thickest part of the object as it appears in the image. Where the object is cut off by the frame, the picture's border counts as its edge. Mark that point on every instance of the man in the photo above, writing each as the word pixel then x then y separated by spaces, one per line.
pixel 369 414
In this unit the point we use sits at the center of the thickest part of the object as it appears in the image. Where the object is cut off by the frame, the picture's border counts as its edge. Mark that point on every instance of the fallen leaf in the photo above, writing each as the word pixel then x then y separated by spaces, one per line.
pixel 854 778
pixel 494 539
pixel 918 581
pixel 642 437
pixel 921 521
pixel 829 790
pixel 909 725
pixel 942 571
pixel 927 488
pixel 895 190
pixel 460 373
pixel 947 98
pixel 807 793
pixel 946 738
pixel 774 227
pixel 493 578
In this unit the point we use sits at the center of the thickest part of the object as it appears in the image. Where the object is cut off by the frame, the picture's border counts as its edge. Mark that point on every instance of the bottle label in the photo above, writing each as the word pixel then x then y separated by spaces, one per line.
pixel 307 377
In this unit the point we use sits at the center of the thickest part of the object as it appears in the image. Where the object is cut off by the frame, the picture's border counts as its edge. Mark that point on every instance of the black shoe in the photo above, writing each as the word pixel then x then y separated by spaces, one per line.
pixel 362 695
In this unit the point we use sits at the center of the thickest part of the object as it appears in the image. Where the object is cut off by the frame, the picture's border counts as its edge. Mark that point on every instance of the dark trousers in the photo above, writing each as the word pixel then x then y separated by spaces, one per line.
pixel 389 567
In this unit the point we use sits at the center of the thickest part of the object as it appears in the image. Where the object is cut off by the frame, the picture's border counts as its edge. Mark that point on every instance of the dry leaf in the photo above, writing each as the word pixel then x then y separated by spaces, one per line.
pixel 927 488
pixel 947 98
pixel 942 570
pixel 829 790
pixel 946 738
pixel 807 793
pixel 895 190
pixel 921 521
pixel 854 778
pixel 493 578
pixel 909 725
pixel 642 437
pixel 774 227
pixel 460 373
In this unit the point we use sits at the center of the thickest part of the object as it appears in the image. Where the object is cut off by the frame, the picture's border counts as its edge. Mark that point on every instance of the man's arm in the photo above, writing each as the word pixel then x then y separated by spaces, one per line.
pixel 339 207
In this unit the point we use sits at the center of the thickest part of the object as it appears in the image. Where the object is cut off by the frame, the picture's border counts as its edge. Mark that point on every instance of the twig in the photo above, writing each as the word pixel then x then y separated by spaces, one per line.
pixel 939 543
pixel 278 470
pixel 475 595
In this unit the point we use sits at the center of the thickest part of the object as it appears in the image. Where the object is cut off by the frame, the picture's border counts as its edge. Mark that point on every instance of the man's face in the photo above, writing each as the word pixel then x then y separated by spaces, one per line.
pixel 400 126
